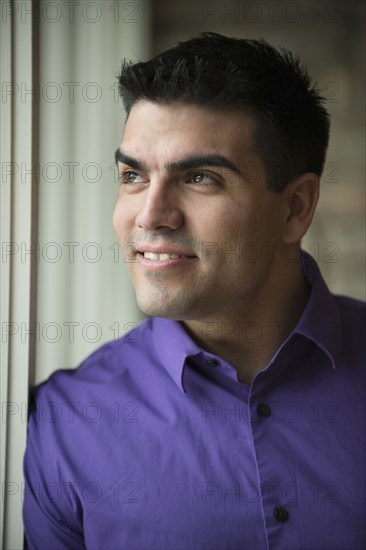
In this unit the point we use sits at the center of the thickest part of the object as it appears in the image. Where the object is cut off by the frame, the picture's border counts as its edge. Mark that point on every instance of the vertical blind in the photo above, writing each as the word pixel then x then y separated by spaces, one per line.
pixel 64 288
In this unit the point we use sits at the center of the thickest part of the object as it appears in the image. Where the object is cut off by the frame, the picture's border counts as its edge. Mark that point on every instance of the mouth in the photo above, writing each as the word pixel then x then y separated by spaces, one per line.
pixel 163 256
pixel 163 259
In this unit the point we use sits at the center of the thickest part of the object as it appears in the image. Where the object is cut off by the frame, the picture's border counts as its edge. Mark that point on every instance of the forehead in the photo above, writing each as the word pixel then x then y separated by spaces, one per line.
pixel 177 128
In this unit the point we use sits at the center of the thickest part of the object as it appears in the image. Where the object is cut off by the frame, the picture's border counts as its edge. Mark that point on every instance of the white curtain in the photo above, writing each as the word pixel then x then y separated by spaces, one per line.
pixel 64 287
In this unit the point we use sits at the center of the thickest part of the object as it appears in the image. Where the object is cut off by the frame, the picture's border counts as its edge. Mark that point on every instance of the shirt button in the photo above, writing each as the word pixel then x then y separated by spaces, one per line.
pixel 212 363
pixel 263 409
pixel 280 514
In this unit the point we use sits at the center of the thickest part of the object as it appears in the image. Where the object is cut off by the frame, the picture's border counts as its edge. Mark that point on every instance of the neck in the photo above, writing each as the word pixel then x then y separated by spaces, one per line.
pixel 249 338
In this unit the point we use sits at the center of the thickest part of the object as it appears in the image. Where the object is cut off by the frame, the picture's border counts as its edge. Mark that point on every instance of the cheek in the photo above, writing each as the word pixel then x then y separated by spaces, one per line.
pixel 234 223
pixel 219 234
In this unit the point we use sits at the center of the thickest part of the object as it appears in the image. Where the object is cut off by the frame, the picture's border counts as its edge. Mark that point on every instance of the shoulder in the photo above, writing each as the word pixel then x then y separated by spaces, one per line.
pixel 352 322
pixel 106 368
pixel 352 313
pixel 351 305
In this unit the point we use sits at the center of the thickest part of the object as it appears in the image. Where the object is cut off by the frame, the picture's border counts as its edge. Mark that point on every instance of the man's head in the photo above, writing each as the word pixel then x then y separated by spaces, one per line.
pixel 205 231
pixel 290 124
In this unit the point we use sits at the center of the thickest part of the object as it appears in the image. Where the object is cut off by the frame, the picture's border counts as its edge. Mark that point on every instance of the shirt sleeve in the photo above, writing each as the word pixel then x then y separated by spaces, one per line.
pixel 50 522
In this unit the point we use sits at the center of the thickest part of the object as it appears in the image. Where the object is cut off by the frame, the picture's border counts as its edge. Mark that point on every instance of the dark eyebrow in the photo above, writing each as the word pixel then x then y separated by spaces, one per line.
pixel 197 161
pixel 188 163
pixel 130 161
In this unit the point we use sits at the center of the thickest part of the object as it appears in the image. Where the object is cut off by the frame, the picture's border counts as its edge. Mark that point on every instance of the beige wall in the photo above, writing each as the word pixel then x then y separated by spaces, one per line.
pixel 64 289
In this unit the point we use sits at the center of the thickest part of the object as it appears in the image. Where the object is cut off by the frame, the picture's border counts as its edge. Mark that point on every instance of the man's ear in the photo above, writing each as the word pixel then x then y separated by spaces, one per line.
pixel 301 197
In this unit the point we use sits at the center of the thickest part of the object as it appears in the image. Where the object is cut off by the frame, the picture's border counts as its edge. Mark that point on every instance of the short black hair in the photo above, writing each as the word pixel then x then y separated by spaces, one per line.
pixel 291 124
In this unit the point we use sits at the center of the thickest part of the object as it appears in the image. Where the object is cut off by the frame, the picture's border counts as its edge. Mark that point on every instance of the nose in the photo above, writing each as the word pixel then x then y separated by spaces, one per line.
pixel 159 208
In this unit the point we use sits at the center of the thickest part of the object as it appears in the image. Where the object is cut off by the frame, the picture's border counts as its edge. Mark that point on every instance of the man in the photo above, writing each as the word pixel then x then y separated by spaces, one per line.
pixel 234 416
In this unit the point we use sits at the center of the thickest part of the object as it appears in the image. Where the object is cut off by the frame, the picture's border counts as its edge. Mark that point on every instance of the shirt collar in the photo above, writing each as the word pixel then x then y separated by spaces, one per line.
pixel 173 346
pixel 320 322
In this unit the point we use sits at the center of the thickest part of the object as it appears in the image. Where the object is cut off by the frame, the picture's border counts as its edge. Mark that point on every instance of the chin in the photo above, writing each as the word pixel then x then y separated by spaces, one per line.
pixel 168 301
pixel 166 313
pixel 171 310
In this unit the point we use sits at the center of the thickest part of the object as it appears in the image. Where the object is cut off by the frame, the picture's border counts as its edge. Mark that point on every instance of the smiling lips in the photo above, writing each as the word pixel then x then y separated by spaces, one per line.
pixel 161 258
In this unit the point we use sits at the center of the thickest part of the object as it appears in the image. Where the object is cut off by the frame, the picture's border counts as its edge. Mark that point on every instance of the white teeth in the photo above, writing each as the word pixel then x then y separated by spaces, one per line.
pixel 160 257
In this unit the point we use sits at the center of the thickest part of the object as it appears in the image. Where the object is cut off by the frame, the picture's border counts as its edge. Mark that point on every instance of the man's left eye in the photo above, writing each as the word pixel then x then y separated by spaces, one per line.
pixel 198 178
pixel 202 178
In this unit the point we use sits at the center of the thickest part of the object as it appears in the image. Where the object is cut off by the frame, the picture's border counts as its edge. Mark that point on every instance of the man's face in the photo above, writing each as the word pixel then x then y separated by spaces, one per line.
pixel 178 198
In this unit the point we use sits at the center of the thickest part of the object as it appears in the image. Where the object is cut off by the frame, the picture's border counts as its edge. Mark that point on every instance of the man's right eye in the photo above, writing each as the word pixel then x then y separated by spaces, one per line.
pixel 128 177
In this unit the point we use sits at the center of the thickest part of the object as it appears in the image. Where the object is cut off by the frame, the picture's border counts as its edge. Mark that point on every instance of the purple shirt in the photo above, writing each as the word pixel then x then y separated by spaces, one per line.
pixel 153 444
